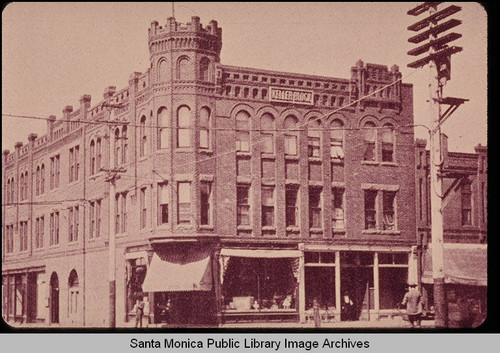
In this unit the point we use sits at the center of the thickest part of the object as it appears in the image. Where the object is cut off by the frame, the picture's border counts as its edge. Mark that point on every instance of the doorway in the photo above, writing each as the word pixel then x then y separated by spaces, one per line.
pixel 54 298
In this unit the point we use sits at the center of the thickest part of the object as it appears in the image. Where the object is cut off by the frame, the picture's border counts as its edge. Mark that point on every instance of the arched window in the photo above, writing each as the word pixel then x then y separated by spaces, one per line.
pixel 267 133
pixel 162 121
pixel 337 139
pixel 92 157
pixel 205 128
pixel 42 179
pixel 205 69
pixel 7 197
pixel 163 71
pixel 369 134
pixel 98 152
pixel 314 138
pixel 13 191
pixel 117 148
pixel 73 293
pixel 183 127
pixel 182 69
pixel 21 186
pixel 37 185
pixel 291 135
pixel 144 138
pixel 388 143
pixel 124 145
pixel 242 131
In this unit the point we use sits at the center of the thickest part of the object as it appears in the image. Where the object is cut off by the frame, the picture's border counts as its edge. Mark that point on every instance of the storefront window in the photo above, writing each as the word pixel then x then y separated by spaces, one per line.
pixel 136 272
pixel 258 284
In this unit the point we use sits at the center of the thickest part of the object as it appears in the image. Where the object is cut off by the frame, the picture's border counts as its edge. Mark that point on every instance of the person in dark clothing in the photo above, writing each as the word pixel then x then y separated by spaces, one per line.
pixel 139 311
pixel 347 307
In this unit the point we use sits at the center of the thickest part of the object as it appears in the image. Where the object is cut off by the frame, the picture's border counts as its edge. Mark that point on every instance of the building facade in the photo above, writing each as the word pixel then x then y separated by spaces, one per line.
pixel 231 193
pixel 464 203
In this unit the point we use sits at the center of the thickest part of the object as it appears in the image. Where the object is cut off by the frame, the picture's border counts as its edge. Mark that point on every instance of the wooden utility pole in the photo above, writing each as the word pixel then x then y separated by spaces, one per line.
pixel 438 60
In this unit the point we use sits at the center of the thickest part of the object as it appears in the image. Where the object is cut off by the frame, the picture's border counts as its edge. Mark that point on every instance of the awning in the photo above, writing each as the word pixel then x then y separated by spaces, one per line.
pixel 463 264
pixel 179 272
pixel 260 253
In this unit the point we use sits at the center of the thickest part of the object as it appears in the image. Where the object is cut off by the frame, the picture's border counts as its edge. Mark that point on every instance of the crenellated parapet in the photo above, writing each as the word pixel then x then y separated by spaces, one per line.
pixel 190 36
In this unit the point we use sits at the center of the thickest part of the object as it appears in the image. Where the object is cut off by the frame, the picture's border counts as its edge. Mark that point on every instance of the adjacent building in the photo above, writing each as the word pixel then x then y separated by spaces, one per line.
pixel 231 193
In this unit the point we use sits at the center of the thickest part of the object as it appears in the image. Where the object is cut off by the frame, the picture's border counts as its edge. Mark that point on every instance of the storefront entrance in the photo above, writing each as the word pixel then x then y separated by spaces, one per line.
pixel 54 299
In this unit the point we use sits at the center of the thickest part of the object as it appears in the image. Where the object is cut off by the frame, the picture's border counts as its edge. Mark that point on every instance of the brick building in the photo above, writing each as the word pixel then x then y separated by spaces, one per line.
pixel 464 192
pixel 240 193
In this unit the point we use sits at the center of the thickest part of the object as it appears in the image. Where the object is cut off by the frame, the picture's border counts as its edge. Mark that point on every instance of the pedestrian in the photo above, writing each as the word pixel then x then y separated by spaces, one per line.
pixel 316 313
pixel 139 311
pixel 347 307
pixel 413 302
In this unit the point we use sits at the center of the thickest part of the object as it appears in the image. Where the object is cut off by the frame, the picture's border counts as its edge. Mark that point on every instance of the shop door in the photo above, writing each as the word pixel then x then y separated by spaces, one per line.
pixel 31 297
pixel 54 299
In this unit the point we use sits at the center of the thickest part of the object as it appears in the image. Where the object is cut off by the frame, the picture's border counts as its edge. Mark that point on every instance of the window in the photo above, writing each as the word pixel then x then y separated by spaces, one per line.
pixel 143 209
pixel 73 292
pixel 205 203
pixel 388 143
pixel 124 145
pixel 92 158
pixel 26 183
pixel 370 209
pixel 314 138
pixel 120 213
pixel 98 161
pixel 183 69
pixel 42 179
pixel 291 135
pixel 466 203
pixel 9 243
pixel 388 210
pixel 23 235
pixel 242 205
pixel 183 127
pixel 124 212
pixel 70 224
pixel 37 184
pixel 39 232
pixel 162 120
pixel 184 202
pixel 74 163
pixel 77 221
pixel 163 200
pixel 54 172
pixel 21 186
pixel 205 69
pixel 267 206
pixel 369 134
pixel 117 154
pixel 98 218
pixel 291 193
pixel 91 219
pixel 314 207
pixel 242 131
pixel 144 137
pixel 336 139
pixel 204 128
pixel 7 196
pixel 267 133
pixel 117 213
pixel 338 208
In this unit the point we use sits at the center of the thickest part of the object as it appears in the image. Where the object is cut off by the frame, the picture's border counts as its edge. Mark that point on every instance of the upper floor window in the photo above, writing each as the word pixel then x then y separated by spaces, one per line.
pixel 267 133
pixel 291 135
pixel 314 138
pixel 39 232
pixel 117 154
pixel 388 210
pixel 388 143
pixel 466 203
pixel 370 209
pixel 54 228
pixel 338 208
pixel 73 223
pixel 37 184
pixel 206 203
pixel 9 241
pixel 74 163
pixel 124 145
pixel 13 191
pixel 205 69
pixel 267 206
pixel 21 186
pixel 54 172
pixel 242 205
pixel 183 69
pixel 184 202
pixel 337 139
pixel 242 131
pixel 26 184
pixel 98 159
pixel 369 134
pixel 183 127
pixel 95 219
pixel 204 128
pixel 23 235
pixel 42 179
pixel 162 121
pixel 163 201
pixel 315 207
pixel 143 209
pixel 92 158
pixel 292 209
pixel 144 137
pixel 121 212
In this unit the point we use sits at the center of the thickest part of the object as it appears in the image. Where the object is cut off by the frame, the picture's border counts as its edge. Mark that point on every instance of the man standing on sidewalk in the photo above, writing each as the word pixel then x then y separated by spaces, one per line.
pixel 413 302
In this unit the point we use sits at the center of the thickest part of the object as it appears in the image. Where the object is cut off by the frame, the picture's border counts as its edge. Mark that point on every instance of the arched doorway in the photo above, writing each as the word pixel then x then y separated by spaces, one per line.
pixel 54 298
pixel 73 293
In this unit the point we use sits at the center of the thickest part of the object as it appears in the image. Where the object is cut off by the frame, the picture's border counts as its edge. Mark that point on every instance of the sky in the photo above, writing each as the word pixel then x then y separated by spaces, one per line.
pixel 53 53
